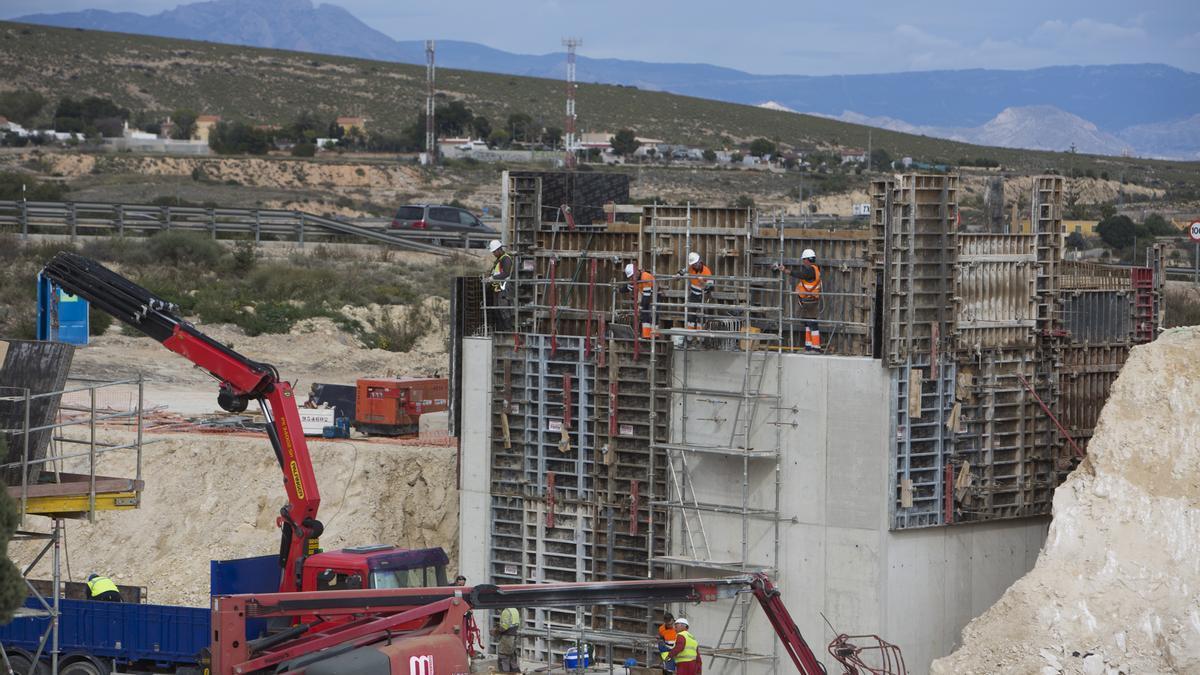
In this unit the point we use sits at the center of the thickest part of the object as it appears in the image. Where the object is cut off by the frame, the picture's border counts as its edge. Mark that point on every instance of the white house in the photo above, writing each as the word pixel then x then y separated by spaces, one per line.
pixel 853 155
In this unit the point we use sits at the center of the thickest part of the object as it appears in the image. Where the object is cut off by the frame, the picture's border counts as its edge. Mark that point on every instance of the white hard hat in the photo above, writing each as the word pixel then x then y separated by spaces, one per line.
pixel 808 254
pixel 494 245
pixel 693 258
pixel 629 270
pixel 681 620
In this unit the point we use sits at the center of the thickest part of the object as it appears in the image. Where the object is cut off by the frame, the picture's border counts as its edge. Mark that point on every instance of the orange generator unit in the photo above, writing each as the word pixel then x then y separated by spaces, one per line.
pixel 391 407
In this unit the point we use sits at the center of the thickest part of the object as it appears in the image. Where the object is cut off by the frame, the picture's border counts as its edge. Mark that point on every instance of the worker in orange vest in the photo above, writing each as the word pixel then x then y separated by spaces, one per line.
pixel 644 290
pixel 666 642
pixel 700 286
pixel 808 296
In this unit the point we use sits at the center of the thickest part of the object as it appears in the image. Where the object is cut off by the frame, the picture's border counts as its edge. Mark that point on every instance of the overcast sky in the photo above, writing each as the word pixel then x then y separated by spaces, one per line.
pixel 786 36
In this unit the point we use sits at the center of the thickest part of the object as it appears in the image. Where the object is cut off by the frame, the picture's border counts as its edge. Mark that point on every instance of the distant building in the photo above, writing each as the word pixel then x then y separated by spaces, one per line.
pixel 348 123
pixel 599 140
pixel 850 155
pixel 204 126
pixel 135 134
pixel 859 210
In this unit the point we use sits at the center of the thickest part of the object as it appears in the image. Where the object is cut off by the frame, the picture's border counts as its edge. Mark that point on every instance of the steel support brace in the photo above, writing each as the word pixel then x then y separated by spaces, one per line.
pixel 591 307
pixel 553 309
pixel 602 349
pixel 634 503
pixel 549 499
pixel 612 412
pixel 566 394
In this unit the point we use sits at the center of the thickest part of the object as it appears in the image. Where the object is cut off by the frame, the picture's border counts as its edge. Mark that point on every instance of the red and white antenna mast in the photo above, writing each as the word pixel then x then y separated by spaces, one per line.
pixel 430 129
pixel 570 143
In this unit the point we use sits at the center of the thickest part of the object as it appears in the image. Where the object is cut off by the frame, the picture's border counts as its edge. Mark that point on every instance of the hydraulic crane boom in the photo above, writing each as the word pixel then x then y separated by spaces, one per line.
pixel 241 380
pixel 443 612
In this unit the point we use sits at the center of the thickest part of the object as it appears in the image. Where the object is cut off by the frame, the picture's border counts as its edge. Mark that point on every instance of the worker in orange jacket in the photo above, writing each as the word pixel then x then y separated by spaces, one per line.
pixel 700 287
pixel 808 297
pixel 666 642
pixel 644 290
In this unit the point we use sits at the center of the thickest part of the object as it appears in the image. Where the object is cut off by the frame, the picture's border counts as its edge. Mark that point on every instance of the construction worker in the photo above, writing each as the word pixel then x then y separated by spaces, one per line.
pixel 102 588
pixel 508 648
pixel 666 642
pixel 460 580
pixel 700 287
pixel 686 651
pixel 808 296
pixel 644 288
pixel 502 269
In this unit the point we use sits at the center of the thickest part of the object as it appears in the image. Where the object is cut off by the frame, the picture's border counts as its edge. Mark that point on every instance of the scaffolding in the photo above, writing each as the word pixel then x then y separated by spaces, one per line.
pixel 734 318
pixel 85 406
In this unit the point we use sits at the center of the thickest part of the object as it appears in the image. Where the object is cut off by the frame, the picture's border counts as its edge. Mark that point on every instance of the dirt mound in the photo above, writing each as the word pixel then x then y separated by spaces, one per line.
pixel 1117 586
pixel 211 496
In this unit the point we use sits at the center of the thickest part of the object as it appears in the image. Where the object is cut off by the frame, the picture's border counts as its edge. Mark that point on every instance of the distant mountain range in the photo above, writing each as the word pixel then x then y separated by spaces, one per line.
pixel 1149 108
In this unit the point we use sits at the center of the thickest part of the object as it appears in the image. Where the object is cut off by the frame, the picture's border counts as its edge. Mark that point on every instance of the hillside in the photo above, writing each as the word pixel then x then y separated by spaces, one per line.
pixel 1113 97
pixel 271 86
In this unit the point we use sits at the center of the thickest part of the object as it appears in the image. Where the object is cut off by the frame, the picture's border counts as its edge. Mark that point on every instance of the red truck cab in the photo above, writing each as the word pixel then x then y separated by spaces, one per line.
pixel 377 566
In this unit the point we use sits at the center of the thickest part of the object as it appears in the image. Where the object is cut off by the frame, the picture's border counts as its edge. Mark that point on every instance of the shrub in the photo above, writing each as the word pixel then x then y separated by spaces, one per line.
pixel 1183 309
pixel 395 336
pixel 305 150
pixel 179 247
pixel 244 257
pixel 98 321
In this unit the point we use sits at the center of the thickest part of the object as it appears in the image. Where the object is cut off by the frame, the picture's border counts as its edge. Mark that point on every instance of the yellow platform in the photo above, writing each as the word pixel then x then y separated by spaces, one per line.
pixel 70 497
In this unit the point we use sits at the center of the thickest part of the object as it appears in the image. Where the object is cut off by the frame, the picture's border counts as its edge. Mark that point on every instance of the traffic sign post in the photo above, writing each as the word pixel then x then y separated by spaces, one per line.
pixel 1194 233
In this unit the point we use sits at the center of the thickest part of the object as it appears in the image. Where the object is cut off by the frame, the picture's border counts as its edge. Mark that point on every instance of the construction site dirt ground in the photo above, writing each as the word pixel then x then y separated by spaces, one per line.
pixel 1116 588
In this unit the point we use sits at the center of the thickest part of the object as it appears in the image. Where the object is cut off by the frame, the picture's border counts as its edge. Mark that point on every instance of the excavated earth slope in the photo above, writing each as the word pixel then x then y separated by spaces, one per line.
pixel 1117 587
pixel 216 496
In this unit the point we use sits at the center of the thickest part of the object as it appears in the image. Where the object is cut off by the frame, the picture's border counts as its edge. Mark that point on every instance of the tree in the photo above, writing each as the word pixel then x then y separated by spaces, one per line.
pixel 305 127
pixel 453 119
pixel 1076 242
pixel 520 127
pixel 481 127
pixel 229 138
pixel 1117 231
pixel 1107 211
pixel 880 159
pixel 304 149
pixel 736 158
pixel 1157 226
pixel 499 138
pixel 185 124
pixel 21 106
pixel 761 147
pixel 624 142
pixel 552 136
pixel 743 202
pixel 709 155
pixel 12 586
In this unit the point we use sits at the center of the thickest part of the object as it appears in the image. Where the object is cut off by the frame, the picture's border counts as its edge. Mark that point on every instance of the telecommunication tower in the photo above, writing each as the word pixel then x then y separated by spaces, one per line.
pixel 570 142
pixel 430 128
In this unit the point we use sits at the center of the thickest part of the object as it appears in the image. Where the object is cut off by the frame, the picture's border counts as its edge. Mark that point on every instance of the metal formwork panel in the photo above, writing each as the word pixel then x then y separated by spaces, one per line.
pixel 1097 317
pixel 921 248
pixel 1076 275
pixel 1011 451
pixel 848 284
pixel 922 443
pixel 995 286
pixel 570 511
pixel 1047 214
pixel 1086 375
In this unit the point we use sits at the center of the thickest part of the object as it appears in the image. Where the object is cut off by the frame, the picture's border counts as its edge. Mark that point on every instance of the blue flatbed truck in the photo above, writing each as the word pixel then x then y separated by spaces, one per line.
pixel 98 638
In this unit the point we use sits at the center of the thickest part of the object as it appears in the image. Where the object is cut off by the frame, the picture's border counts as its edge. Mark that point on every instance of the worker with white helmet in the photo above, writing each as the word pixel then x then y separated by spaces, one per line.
pixel 643 290
pixel 686 652
pixel 501 271
pixel 700 286
pixel 808 297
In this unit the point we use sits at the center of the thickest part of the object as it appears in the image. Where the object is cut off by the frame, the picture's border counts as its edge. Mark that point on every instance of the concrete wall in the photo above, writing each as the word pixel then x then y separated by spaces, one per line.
pixel 837 557
pixel 474 518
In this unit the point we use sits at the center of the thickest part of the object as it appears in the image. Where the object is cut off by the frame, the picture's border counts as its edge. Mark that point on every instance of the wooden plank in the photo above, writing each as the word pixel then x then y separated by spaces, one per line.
pixel 74 484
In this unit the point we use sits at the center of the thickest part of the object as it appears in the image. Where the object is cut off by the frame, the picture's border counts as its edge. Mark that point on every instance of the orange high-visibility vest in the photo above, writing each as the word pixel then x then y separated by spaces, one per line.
pixel 700 279
pixel 810 291
pixel 646 285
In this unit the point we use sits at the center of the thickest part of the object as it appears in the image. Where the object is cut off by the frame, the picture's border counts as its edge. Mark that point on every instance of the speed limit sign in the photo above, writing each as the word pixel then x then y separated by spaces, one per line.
pixel 1194 231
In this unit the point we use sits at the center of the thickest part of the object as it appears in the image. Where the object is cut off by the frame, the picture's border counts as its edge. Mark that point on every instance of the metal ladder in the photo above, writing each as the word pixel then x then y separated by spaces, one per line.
pixel 693 524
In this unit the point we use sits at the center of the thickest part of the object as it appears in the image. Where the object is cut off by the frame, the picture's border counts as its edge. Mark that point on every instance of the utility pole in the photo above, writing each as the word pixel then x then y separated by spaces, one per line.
pixel 868 150
pixel 431 152
pixel 569 141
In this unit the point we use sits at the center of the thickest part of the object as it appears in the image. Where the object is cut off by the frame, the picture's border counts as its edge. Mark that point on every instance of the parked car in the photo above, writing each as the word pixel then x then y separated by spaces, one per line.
pixel 431 218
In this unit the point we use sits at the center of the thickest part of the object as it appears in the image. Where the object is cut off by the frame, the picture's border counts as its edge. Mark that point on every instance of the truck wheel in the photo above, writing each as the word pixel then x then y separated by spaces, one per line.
pixel 21 663
pixel 84 666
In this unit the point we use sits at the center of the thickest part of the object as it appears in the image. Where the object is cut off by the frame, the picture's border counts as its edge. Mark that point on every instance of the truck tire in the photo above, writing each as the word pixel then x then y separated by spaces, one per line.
pixel 84 665
pixel 21 662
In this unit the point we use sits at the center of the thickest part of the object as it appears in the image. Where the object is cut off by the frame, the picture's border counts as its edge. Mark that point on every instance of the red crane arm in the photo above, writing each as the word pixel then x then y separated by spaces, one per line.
pixel 772 605
pixel 241 380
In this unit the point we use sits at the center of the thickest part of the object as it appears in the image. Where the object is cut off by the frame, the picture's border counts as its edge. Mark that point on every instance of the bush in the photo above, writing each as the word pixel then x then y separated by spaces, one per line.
pixel 244 257
pixel 98 321
pixel 178 247
pixel 304 150
pixel 395 336
pixel 1183 309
